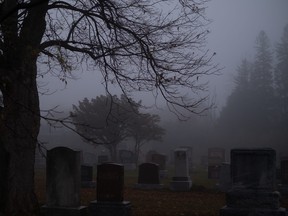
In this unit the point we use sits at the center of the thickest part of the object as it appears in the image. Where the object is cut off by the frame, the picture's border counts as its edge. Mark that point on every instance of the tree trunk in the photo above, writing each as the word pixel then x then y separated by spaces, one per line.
pixel 19 127
pixel 20 115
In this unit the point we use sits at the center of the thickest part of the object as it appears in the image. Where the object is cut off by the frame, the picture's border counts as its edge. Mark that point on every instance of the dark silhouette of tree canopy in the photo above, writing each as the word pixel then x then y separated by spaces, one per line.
pixel 108 120
pixel 138 45
pixel 142 128
pixel 104 120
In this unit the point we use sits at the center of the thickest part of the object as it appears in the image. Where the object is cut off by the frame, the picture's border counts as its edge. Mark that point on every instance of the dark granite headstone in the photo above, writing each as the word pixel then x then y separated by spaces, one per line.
pixel 148 173
pixel 110 182
pixel 253 168
pixel 159 159
pixel 110 188
pixel 148 176
pixel 253 174
pixel 63 183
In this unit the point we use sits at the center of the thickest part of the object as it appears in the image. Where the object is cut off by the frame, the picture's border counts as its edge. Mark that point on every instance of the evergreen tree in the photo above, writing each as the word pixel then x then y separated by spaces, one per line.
pixel 281 77
pixel 262 76
pixel 263 102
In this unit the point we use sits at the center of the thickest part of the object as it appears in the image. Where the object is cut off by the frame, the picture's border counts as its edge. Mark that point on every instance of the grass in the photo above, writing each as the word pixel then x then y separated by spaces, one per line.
pixel 202 200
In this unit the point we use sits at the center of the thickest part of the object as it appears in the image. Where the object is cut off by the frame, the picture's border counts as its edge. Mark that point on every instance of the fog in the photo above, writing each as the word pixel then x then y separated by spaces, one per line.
pixel 234 28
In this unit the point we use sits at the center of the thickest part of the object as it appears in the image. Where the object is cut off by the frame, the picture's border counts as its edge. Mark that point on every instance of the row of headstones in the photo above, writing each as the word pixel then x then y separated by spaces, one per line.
pixel 252 173
pixel 63 173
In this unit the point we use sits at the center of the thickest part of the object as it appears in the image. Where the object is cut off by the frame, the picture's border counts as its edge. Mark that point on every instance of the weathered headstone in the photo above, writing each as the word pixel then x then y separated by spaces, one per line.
pixel 283 186
pixel 127 158
pixel 148 176
pixel 160 159
pixel 253 174
pixel 190 156
pixel 110 188
pixel 87 176
pixel 149 155
pixel 216 156
pixel 181 180
pixel 63 183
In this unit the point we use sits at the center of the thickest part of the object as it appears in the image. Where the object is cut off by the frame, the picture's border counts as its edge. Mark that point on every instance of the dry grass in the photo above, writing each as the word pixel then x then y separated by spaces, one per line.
pixel 202 200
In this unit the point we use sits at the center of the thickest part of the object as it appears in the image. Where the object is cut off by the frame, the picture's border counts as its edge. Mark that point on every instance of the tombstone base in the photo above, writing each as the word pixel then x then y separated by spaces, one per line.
pixel 181 184
pixel 228 211
pixel 246 198
pixel 110 208
pixel 148 186
pixel 64 211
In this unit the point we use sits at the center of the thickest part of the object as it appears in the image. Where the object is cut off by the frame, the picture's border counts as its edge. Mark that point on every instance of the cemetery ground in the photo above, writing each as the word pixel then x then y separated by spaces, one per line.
pixel 202 200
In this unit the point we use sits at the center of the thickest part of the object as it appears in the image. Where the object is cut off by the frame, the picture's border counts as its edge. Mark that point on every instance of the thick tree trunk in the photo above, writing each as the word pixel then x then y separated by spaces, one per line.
pixel 20 115
pixel 20 122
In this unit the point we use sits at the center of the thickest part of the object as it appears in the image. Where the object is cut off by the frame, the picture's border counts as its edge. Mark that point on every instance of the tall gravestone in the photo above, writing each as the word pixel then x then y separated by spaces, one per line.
pixel 127 158
pixel 181 180
pixel 160 159
pixel 253 174
pixel 216 156
pixel 110 189
pixel 148 176
pixel 63 183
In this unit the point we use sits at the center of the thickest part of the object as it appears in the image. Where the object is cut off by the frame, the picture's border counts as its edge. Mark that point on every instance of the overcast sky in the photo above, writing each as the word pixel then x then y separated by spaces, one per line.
pixel 236 23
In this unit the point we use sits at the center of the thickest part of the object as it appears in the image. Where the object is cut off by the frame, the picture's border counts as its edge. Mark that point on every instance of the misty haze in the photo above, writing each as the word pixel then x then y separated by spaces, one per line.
pixel 140 108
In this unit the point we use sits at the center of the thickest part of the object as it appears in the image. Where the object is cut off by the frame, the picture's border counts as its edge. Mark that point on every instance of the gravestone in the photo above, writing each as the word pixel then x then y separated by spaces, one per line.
pixel 181 180
pixel 149 155
pixel 160 159
pixel 253 175
pixel 225 182
pixel 103 159
pixel 283 186
pixel 63 183
pixel 127 158
pixel 110 188
pixel 148 176
pixel 190 156
pixel 216 156
pixel 87 177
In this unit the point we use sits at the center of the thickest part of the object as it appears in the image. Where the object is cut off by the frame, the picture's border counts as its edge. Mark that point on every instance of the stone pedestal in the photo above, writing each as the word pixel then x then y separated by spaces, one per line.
pixel 110 208
pixel 180 184
pixel 64 211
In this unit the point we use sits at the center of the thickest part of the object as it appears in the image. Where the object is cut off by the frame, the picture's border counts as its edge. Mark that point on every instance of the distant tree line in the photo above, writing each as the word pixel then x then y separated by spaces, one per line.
pixel 256 112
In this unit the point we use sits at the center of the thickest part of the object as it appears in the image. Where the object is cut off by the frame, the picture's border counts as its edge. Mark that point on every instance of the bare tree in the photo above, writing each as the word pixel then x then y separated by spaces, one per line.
pixel 154 46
